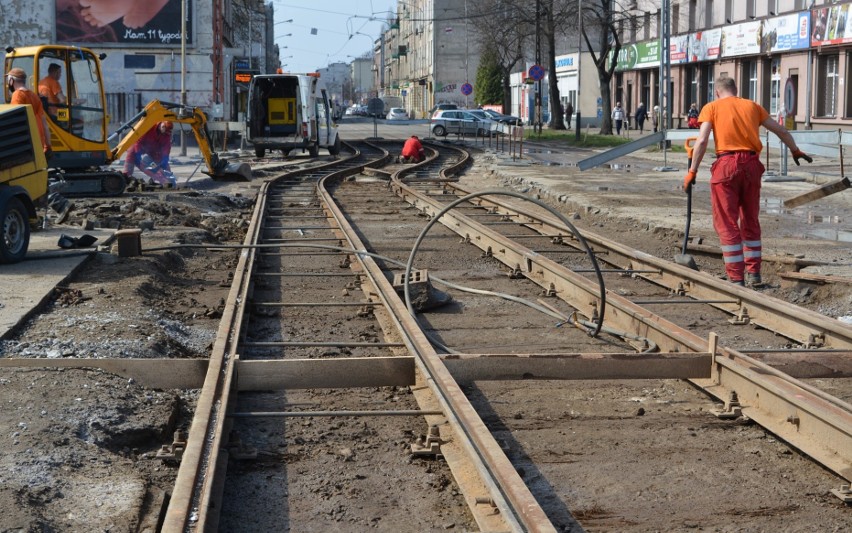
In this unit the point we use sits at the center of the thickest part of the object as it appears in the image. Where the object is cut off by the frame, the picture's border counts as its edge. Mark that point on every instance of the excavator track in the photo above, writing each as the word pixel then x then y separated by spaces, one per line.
pixel 91 184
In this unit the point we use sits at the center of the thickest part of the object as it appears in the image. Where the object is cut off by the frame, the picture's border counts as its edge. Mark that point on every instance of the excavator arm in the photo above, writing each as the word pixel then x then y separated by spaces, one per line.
pixel 156 112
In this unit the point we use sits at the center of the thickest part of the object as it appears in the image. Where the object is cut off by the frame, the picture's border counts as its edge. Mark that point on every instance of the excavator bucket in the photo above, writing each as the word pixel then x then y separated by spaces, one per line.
pixel 234 171
pixel 224 170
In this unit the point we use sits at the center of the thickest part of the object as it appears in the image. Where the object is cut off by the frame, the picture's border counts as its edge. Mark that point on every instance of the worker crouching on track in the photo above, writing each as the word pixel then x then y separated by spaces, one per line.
pixel 412 151
pixel 151 154
pixel 735 175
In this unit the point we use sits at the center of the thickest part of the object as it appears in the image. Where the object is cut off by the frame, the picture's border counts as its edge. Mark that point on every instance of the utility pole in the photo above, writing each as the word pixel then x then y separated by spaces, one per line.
pixel 183 70
pixel 579 65
pixel 537 112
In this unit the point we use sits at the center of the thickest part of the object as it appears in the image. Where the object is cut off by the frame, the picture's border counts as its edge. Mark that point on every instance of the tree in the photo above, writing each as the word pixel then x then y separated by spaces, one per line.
pixel 506 45
pixel 489 85
pixel 603 19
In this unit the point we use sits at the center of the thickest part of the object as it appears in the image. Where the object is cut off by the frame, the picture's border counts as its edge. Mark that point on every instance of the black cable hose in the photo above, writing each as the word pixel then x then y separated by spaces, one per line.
pixel 562 218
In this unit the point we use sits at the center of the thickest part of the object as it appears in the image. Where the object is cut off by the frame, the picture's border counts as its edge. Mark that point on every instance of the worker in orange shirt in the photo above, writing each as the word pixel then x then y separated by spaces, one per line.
pixel 412 151
pixel 17 83
pixel 49 88
pixel 16 80
pixel 735 175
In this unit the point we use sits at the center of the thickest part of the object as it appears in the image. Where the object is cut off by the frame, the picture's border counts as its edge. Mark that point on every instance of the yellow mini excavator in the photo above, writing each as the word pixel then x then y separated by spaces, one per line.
pixel 82 149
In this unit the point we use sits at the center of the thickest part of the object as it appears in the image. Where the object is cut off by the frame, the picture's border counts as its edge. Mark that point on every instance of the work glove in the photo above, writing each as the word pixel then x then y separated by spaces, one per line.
pixel 798 154
pixel 689 179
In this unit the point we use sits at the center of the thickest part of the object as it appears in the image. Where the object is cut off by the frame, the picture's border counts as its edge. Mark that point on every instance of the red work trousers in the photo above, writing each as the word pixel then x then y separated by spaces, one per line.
pixel 735 196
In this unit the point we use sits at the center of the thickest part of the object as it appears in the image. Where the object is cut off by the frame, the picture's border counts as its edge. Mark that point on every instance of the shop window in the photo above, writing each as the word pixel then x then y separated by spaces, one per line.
pixel 749 89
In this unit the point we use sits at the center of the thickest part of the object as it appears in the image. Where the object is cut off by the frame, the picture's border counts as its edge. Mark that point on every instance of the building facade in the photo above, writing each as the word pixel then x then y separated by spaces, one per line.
pixel 427 56
pixel 790 56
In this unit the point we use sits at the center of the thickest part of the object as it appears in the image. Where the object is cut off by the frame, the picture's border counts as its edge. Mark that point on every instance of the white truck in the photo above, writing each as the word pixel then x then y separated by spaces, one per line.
pixel 288 112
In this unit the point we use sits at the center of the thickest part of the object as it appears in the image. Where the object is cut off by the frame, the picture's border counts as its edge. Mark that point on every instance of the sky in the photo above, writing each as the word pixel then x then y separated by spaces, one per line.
pixel 343 28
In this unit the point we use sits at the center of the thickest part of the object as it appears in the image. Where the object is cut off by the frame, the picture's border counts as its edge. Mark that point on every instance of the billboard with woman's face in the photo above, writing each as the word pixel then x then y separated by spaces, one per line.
pixel 122 22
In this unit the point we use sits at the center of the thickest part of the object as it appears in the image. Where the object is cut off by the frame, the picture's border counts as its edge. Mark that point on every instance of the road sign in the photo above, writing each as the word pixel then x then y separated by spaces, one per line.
pixel 790 97
pixel 536 72
pixel 375 107
pixel 466 89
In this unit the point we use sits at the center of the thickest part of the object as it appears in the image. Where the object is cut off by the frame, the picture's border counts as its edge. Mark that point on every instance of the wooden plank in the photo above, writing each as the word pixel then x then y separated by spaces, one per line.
pixel 152 373
pixel 472 367
pixel 816 194
pixel 816 278
pixel 325 373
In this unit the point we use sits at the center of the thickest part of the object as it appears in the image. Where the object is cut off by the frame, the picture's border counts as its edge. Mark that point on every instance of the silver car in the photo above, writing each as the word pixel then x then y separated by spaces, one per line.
pixel 458 121
pixel 397 113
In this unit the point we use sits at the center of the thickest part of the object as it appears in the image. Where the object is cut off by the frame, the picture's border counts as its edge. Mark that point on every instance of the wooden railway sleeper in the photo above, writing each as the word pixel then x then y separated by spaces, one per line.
pixel 430 444
pixel 173 451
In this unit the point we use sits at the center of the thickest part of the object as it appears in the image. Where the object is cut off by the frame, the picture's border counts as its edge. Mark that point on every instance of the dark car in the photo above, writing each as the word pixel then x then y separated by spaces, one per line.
pixel 500 117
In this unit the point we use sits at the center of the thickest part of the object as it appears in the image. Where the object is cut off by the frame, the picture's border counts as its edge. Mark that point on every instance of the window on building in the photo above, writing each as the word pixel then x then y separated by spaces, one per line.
pixel 750 8
pixel 709 81
pixel 692 92
pixel 646 25
pixel 645 80
pixel 827 86
pixel 729 11
pixel 674 23
pixel 749 89
pixel 775 7
pixel 693 14
pixel 708 15
pixel 775 87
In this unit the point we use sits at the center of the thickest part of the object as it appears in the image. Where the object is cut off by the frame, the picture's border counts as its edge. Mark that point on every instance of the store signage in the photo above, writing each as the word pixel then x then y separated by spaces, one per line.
pixel 829 25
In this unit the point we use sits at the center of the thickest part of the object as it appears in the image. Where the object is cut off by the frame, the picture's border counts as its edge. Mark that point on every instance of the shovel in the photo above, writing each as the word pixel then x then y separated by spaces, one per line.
pixel 683 258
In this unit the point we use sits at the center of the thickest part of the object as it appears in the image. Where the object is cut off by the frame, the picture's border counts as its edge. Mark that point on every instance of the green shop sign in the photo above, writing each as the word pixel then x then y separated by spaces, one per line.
pixel 638 55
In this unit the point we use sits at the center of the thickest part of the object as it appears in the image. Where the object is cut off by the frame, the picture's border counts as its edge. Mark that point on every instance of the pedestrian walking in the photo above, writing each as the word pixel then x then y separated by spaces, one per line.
pixel 692 117
pixel 735 175
pixel 641 115
pixel 655 118
pixel 569 112
pixel 618 117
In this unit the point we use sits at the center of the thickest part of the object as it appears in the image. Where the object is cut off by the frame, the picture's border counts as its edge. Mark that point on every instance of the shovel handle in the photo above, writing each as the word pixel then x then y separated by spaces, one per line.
pixel 688 144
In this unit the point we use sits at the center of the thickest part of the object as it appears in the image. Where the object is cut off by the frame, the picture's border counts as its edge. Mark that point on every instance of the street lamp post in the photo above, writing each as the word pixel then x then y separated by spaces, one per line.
pixel 182 70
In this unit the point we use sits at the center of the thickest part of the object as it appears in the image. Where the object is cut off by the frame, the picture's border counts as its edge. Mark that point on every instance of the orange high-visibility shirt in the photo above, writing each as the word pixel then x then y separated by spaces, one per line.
pixel 736 123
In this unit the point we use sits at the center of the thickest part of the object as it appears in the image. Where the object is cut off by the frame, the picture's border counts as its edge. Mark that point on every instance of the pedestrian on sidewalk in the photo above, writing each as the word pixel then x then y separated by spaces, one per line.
pixel 641 115
pixel 735 175
pixel 655 117
pixel 569 112
pixel 618 117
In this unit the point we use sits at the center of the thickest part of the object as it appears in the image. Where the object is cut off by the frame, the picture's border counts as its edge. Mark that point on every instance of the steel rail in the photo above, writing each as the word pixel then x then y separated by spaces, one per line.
pixel 199 479
pixel 824 427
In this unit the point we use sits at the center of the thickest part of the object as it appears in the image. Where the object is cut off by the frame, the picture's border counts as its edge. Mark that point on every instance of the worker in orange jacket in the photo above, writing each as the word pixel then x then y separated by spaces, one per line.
pixel 735 175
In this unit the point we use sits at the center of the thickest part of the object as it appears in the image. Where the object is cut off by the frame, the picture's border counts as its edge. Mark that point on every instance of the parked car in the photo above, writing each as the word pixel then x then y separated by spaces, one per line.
pixel 500 117
pixel 441 107
pixel 352 111
pixel 458 121
pixel 397 113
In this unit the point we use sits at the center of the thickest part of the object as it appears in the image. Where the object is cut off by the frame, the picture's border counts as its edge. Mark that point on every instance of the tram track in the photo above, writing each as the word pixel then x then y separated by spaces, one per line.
pixel 824 414
pixel 319 373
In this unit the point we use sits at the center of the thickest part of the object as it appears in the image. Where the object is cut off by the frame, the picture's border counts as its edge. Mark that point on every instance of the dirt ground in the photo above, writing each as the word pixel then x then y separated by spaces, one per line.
pixel 78 443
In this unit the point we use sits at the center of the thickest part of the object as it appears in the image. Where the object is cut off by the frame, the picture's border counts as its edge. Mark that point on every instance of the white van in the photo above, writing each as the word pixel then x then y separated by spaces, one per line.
pixel 290 111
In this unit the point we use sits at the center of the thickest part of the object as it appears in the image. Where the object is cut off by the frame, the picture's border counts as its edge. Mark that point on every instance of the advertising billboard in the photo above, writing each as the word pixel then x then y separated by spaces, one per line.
pixel 789 32
pixel 134 22
pixel 829 25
